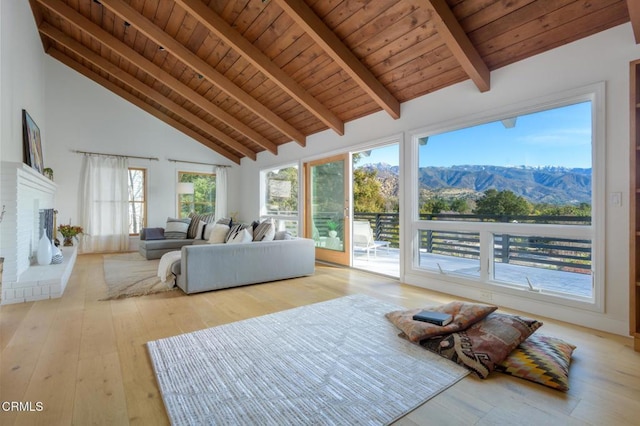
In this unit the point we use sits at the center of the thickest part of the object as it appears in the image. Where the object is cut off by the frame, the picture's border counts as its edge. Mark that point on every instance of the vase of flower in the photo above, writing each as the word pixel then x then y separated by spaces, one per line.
pixel 69 233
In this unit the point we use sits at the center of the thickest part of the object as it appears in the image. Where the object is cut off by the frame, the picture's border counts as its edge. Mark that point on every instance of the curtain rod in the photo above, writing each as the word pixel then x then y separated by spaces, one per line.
pixel 196 162
pixel 115 155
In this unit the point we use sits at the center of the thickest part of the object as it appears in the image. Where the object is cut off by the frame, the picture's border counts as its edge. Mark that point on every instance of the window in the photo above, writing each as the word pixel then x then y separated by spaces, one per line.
pixel 510 202
pixel 203 199
pixel 279 197
pixel 137 182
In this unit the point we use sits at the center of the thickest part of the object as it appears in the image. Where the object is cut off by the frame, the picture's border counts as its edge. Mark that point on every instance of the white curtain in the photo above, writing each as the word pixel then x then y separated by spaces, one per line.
pixel 221 193
pixel 104 204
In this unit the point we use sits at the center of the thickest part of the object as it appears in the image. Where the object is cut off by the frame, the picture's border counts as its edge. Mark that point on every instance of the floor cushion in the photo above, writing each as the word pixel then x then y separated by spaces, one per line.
pixel 541 359
pixel 464 314
pixel 485 344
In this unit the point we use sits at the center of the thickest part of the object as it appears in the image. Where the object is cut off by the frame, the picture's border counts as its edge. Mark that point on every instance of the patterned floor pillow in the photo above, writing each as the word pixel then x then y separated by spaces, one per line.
pixel 485 344
pixel 464 314
pixel 540 359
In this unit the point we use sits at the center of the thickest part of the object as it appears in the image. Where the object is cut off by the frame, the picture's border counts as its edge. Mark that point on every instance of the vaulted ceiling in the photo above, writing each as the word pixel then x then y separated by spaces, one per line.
pixel 247 76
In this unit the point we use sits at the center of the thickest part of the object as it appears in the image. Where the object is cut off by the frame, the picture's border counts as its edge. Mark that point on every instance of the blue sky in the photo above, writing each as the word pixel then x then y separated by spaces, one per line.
pixel 557 137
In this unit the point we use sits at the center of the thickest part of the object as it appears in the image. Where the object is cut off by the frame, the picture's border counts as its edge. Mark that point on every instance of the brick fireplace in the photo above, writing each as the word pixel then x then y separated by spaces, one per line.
pixel 26 193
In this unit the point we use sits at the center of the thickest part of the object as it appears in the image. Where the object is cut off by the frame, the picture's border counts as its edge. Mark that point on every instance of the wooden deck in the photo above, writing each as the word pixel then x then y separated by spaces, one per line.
pixel 387 262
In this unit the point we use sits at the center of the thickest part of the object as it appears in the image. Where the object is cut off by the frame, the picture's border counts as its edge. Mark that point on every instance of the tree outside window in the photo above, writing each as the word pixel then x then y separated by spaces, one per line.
pixel 203 199
pixel 137 179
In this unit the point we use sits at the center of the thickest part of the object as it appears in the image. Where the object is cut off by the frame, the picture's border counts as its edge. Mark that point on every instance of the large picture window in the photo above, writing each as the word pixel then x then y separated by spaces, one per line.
pixel 203 198
pixel 510 202
pixel 279 197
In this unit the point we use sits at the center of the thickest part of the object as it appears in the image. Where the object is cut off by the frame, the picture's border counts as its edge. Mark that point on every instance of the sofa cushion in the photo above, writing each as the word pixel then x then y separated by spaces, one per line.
pixel 192 232
pixel 282 235
pixel 176 228
pixel 243 236
pixel 199 230
pixel 234 231
pixel 225 221
pixel 152 234
pixel 265 231
pixel 216 233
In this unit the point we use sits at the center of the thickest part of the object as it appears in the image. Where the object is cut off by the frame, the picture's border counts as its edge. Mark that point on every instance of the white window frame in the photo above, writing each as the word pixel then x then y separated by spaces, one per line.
pixel 485 288
pixel 263 195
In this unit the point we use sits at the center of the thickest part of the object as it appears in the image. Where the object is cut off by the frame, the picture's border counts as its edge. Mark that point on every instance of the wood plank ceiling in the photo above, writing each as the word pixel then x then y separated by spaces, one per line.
pixel 247 76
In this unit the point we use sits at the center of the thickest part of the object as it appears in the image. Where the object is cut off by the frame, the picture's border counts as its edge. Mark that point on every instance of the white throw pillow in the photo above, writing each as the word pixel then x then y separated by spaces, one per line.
pixel 200 230
pixel 244 236
pixel 216 233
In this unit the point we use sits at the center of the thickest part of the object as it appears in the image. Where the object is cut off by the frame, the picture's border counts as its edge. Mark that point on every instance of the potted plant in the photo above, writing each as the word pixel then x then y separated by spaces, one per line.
pixel 332 227
pixel 69 232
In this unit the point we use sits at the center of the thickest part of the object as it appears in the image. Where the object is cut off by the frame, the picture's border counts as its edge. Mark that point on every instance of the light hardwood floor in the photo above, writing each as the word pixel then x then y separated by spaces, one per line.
pixel 85 360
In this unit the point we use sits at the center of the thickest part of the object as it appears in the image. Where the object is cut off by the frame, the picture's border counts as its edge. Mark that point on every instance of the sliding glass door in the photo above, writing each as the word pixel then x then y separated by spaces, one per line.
pixel 327 208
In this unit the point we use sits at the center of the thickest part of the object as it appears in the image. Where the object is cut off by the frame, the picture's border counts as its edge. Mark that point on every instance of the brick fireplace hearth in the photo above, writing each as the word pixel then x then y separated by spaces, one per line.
pixel 24 193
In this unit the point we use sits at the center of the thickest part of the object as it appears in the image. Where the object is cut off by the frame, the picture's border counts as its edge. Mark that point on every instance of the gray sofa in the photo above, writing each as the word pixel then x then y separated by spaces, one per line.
pixel 206 267
pixel 155 248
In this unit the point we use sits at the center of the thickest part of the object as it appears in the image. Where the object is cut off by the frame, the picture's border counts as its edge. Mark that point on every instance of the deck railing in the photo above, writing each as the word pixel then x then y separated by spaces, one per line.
pixel 551 252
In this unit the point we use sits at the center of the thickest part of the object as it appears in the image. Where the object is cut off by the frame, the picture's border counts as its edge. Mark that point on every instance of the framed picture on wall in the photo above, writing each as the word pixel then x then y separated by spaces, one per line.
pixel 31 142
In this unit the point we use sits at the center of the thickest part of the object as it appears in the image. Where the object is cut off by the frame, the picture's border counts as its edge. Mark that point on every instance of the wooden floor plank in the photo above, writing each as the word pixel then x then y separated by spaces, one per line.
pixel 12 317
pixel 143 399
pixel 86 359
pixel 99 383
pixel 98 337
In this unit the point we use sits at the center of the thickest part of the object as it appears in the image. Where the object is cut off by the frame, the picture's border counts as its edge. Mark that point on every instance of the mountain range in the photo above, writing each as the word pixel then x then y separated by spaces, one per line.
pixel 553 185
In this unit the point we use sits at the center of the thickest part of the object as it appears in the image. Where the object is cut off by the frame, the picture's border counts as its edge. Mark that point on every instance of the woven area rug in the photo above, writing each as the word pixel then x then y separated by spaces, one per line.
pixel 130 274
pixel 338 362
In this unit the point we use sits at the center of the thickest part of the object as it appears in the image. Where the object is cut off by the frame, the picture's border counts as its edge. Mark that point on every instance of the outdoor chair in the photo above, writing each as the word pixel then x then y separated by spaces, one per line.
pixel 363 238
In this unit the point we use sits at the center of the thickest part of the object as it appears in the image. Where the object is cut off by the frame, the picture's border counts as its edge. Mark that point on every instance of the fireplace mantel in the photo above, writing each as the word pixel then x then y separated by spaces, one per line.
pixel 24 192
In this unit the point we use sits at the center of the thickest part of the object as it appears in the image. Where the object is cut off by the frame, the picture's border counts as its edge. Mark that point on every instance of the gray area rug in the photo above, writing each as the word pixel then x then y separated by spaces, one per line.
pixel 130 274
pixel 338 362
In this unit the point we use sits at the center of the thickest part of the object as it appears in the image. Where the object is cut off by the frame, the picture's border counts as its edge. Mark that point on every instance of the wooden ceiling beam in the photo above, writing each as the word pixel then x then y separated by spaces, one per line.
pixel 127 79
pixel 193 61
pixel 306 18
pixel 57 54
pixel 457 41
pixel 217 25
pixel 107 40
pixel 634 15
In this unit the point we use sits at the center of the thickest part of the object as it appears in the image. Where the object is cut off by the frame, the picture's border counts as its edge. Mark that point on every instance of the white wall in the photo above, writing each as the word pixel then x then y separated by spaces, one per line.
pixel 22 85
pixel 602 57
pixel 22 77
pixel 82 115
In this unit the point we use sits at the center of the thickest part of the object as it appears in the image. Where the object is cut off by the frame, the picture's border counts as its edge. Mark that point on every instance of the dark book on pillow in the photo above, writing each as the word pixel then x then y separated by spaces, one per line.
pixel 437 318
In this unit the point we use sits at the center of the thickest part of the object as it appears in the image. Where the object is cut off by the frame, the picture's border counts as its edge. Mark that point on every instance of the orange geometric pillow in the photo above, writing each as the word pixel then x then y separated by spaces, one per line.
pixel 540 359
pixel 464 315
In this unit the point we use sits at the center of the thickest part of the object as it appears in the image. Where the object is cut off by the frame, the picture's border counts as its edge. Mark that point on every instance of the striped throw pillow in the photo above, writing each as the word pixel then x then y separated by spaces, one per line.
pixel 195 221
pixel 176 229
pixel 265 231
pixel 234 231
